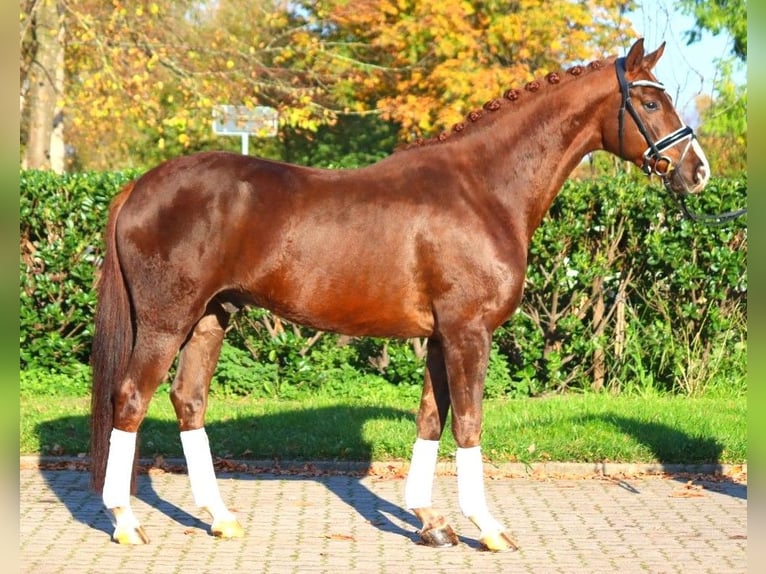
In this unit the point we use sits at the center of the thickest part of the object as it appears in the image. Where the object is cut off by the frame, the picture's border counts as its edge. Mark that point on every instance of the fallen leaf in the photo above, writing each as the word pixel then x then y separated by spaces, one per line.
pixel 344 537
pixel 689 490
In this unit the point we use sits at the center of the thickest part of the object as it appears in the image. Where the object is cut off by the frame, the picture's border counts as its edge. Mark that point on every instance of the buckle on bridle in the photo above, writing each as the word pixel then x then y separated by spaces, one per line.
pixel 663 165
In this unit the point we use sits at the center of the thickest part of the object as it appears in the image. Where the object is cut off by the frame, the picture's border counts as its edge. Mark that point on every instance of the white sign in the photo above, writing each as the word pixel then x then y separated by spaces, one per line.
pixel 260 121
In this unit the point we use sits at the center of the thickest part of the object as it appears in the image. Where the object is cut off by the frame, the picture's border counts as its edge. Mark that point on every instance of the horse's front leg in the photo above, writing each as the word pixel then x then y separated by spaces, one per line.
pixel 466 358
pixel 189 394
pixel 431 419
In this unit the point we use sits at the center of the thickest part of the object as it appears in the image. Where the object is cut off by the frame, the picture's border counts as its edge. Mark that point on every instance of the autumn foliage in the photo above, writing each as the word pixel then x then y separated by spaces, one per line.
pixel 142 77
pixel 433 62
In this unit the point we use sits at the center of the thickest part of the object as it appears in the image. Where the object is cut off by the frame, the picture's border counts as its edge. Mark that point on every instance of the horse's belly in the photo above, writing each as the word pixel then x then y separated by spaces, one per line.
pixel 354 314
pixel 348 307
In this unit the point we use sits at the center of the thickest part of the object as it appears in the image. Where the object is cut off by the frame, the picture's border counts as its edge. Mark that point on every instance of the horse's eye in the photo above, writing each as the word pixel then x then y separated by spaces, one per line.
pixel 651 106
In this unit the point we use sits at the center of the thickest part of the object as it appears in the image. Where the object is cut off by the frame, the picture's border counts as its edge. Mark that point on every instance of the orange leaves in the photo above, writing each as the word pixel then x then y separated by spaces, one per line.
pixel 449 57
pixel 146 64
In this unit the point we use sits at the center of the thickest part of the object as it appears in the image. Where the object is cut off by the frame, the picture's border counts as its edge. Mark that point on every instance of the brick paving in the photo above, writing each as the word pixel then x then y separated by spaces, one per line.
pixel 344 523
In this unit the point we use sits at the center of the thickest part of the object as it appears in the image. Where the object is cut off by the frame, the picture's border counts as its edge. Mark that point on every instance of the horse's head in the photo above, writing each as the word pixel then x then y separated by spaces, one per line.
pixel 649 130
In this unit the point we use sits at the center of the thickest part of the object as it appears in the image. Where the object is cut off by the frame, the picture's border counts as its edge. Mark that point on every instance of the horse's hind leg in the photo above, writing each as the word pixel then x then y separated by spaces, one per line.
pixel 152 355
pixel 432 416
pixel 189 394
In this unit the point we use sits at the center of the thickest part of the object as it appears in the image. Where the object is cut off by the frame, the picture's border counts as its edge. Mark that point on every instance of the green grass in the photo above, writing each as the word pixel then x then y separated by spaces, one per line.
pixel 379 425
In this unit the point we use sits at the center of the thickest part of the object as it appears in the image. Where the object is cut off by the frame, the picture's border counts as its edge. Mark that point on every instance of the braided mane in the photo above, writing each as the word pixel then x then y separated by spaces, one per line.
pixel 510 96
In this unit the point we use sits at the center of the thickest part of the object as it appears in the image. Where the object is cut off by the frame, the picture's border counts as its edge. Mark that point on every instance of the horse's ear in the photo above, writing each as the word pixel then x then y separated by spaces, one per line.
pixel 636 61
pixel 635 57
pixel 651 59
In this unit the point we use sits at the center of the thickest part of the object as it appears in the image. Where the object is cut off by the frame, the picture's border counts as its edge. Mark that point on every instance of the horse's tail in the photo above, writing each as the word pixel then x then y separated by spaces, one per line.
pixel 112 344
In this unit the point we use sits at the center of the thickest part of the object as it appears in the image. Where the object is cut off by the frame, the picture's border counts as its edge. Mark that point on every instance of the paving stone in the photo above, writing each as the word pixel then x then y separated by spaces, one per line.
pixel 340 524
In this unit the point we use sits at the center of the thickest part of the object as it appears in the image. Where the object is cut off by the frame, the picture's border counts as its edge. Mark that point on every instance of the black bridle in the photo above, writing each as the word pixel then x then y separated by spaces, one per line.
pixel 654 161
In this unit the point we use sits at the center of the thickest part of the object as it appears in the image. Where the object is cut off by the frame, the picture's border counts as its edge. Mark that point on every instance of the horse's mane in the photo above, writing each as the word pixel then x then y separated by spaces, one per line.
pixel 510 96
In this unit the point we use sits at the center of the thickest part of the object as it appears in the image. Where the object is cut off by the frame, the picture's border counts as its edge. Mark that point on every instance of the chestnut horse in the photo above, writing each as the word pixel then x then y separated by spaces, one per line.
pixel 429 242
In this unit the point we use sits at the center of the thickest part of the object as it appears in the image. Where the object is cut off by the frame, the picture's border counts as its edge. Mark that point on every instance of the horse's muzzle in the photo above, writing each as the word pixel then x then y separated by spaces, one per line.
pixel 691 173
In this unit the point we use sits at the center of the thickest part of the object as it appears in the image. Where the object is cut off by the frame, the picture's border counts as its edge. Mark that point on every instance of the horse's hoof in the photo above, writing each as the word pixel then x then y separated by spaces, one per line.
pixel 130 535
pixel 227 529
pixel 498 542
pixel 441 537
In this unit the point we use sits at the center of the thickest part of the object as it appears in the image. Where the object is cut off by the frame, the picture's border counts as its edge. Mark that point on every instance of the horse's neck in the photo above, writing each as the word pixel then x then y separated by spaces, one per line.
pixel 532 150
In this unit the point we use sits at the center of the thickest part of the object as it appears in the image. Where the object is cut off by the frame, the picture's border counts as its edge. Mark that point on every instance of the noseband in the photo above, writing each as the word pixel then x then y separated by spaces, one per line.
pixel 654 161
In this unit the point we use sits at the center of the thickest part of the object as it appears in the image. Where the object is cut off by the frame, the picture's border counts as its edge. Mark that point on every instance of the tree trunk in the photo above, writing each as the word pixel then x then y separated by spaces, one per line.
pixel 44 150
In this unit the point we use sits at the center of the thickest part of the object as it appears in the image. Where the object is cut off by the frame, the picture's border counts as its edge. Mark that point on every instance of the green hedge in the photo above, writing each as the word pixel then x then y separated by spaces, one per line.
pixel 61 223
pixel 624 293
pixel 621 294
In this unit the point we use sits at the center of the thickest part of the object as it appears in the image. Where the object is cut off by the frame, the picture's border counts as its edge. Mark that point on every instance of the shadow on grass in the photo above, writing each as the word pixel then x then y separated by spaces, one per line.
pixel 272 440
pixel 670 446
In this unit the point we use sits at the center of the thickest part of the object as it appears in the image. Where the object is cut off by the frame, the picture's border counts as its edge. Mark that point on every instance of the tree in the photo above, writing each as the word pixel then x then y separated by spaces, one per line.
pixel 143 76
pixel 430 63
pixel 716 16
pixel 723 132
pixel 723 129
pixel 151 72
pixel 42 83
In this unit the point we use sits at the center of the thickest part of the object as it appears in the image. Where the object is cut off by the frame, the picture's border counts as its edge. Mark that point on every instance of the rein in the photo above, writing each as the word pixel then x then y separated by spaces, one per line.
pixel 662 163
pixel 709 219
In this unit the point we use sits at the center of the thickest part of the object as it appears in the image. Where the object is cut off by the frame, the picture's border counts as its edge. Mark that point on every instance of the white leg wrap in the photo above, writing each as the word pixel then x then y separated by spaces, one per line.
pixel 418 488
pixel 199 461
pixel 470 489
pixel 119 469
